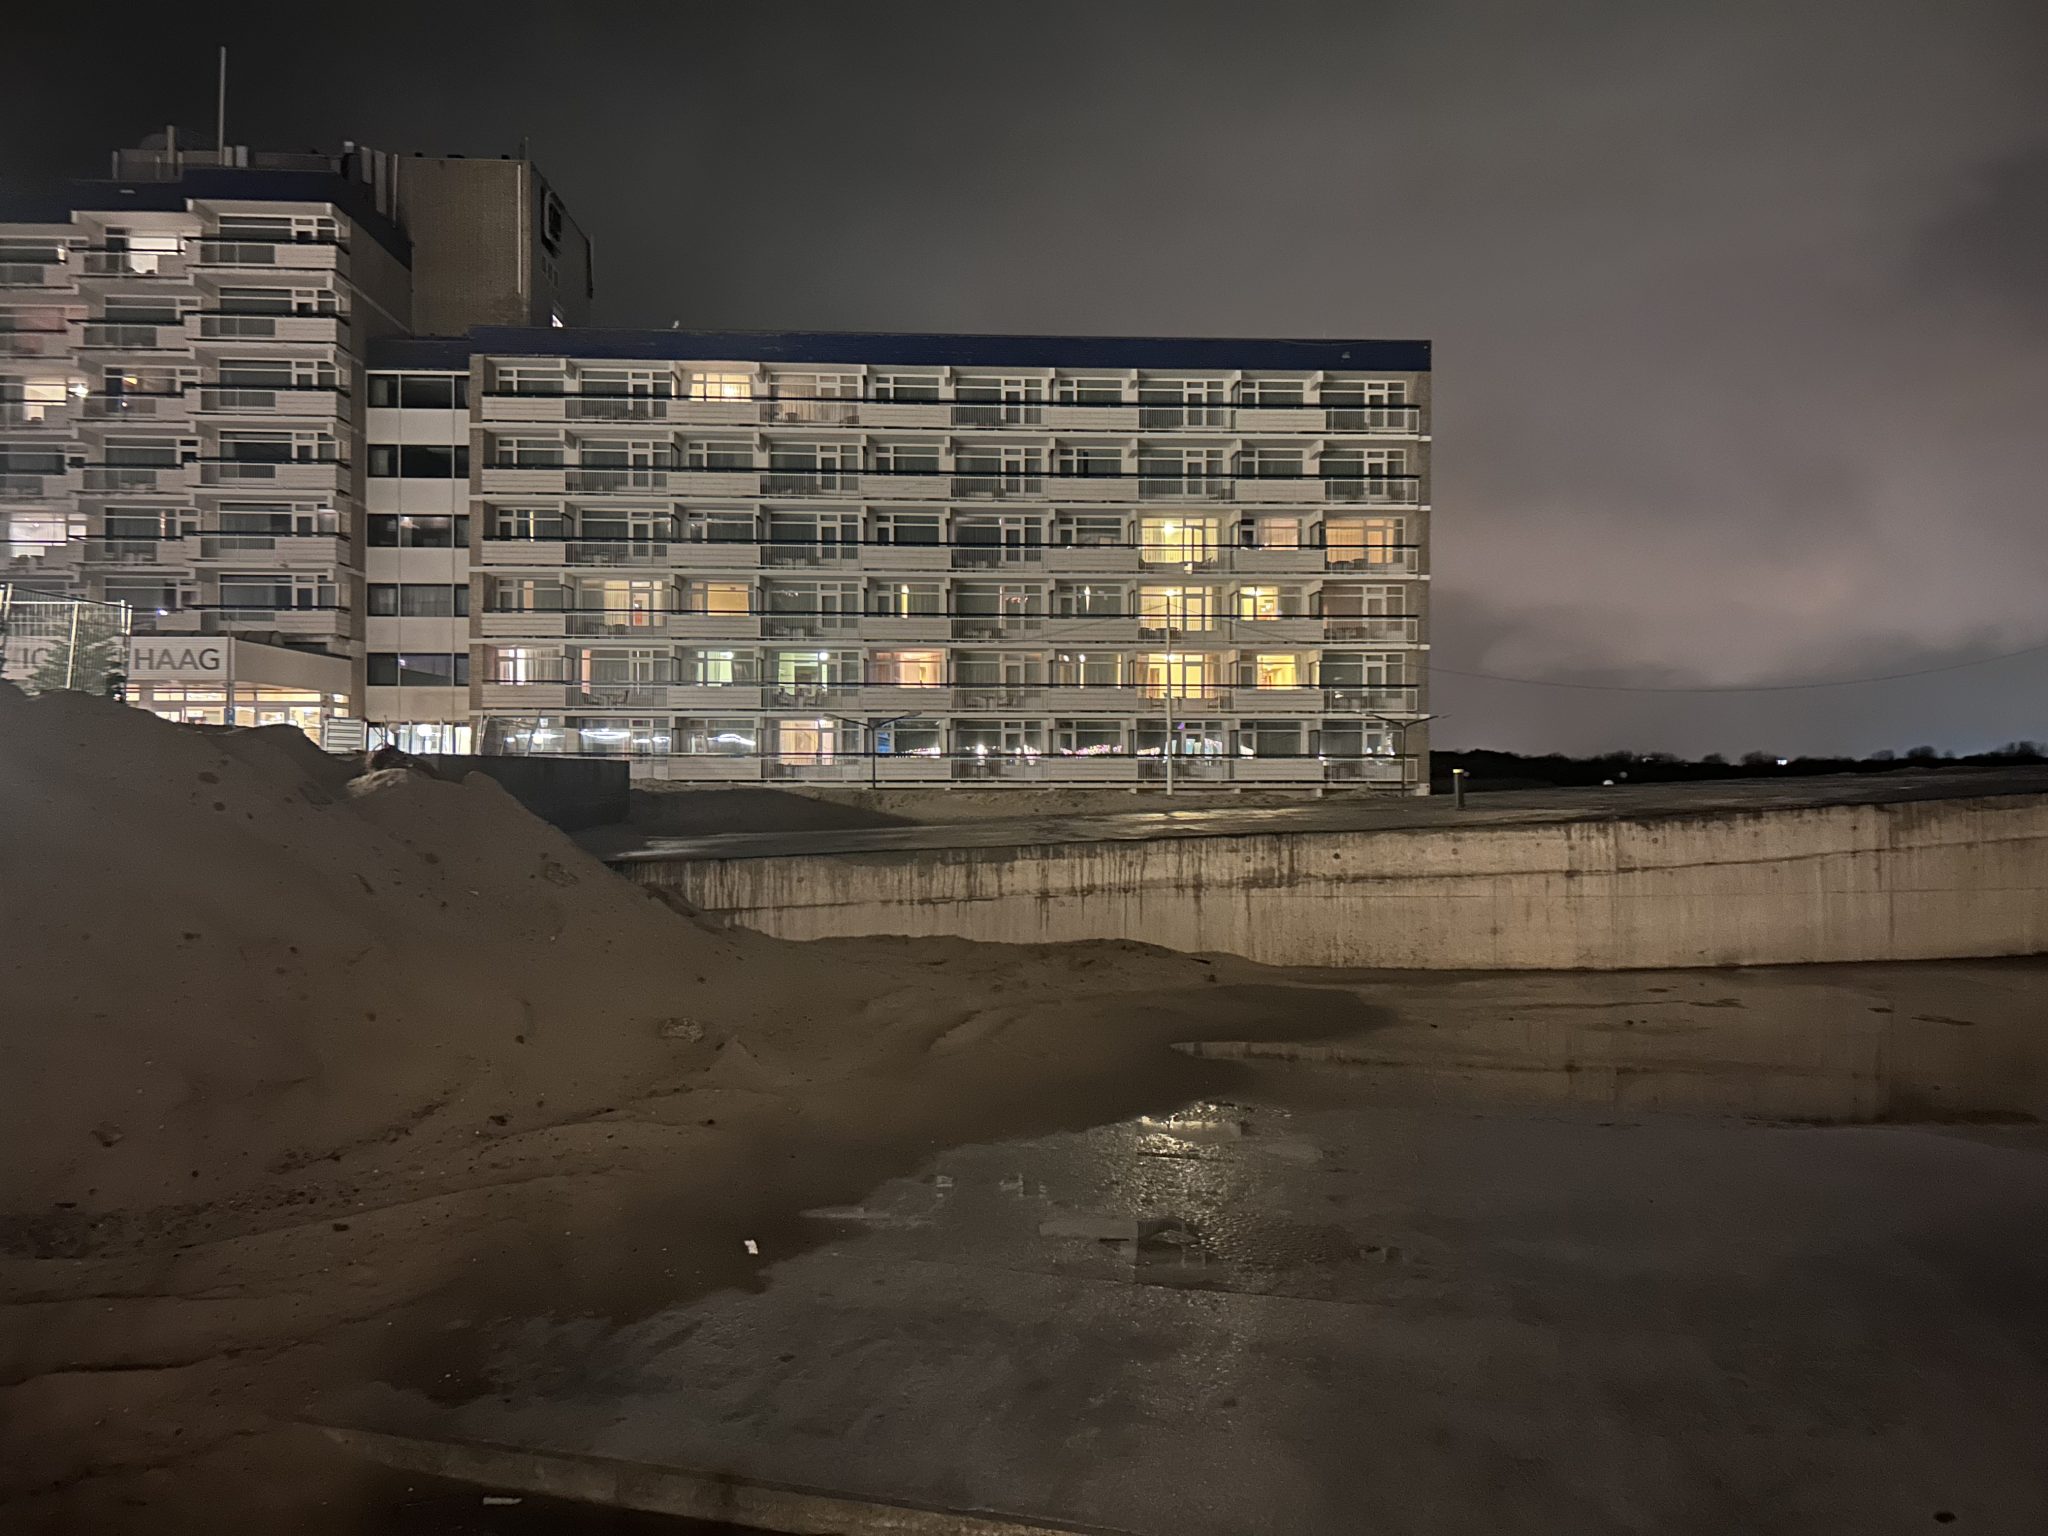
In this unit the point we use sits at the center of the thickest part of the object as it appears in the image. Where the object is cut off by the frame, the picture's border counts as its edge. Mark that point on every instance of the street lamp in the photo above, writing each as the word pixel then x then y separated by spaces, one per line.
pixel 870 728
pixel 1403 726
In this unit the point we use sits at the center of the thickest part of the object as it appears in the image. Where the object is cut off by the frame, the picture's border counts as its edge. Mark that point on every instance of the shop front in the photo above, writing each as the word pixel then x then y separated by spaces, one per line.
pixel 221 680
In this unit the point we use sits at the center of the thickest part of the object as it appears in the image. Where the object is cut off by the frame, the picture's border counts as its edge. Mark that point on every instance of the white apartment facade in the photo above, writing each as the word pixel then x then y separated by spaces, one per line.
pixel 907 559
pixel 182 400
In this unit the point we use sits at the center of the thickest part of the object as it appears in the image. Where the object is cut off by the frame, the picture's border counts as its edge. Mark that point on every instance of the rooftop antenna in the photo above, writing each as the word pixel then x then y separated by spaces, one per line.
pixel 220 109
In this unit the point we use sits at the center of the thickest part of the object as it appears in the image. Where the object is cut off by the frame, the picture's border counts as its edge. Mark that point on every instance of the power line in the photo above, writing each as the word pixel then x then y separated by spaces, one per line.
pixel 1839 682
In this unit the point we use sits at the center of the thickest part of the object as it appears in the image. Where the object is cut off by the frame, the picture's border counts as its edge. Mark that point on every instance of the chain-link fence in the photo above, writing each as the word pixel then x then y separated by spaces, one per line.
pixel 50 640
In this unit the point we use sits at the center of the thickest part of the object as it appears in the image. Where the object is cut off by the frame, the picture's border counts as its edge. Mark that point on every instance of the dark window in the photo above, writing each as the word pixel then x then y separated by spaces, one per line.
pixel 392 669
pixel 383 597
pixel 409 532
pixel 419 461
pixel 426 391
pixel 418 600
pixel 384 389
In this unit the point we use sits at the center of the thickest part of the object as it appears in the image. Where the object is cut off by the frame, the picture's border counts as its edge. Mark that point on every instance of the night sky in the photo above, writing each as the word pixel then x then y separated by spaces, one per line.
pixel 1740 309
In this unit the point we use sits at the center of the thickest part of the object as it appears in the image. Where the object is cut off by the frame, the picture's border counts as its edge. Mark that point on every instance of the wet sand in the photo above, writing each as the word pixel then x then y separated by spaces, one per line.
pixel 1570 1225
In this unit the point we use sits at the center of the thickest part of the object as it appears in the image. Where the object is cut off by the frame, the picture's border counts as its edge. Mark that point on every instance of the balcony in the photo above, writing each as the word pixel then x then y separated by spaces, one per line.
pixel 812 696
pixel 520 695
pixel 1089 559
pixel 17 272
pixel 1278 489
pixel 522 623
pixel 811 482
pixel 20 416
pixel 326 475
pixel 130 336
pixel 288 400
pixel 1393 420
pixel 528 554
pixel 811 413
pixel 617 552
pixel 133 479
pixel 223 325
pixel 1182 417
pixel 128 265
pixel 1031 483
pixel 1380 700
pixel 809 552
pixel 1091 418
pixel 129 406
pixel 617 623
pixel 1374 629
pixel 999 413
pixel 1299 561
pixel 18 486
pixel 269 255
pixel 992 696
pixel 124 550
pixel 989 557
pixel 1375 490
pixel 809 626
pixel 1280 629
pixel 1095 699
pixel 718 555
pixel 615 408
pixel 1374 559
pixel 1246 699
pixel 328 622
pixel 997 626
pixel 906 628
pixel 16 343
pixel 323 551
pixel 698 625
pixel 1183 487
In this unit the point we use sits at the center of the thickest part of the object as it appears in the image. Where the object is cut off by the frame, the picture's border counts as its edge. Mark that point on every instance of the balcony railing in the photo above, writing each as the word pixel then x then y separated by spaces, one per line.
pixel 274 400
pixel 104 479
pixel 20 343
pixel 133 406
pixel 15 273
pixel 128 336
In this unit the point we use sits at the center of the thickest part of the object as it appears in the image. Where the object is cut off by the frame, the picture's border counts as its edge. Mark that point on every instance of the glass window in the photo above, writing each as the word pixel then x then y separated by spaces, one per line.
pixel 721 386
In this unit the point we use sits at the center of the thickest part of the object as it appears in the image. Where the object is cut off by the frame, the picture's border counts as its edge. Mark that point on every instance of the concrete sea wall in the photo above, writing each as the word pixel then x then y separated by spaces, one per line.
pixel 1923 879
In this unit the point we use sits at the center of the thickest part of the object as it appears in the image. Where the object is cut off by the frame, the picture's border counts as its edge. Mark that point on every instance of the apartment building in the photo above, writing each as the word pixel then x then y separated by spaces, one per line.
pixel 907 559
pixel 182 394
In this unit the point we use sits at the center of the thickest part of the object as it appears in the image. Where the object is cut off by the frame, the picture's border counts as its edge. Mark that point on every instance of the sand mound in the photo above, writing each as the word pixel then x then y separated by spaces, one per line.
pixel 235 961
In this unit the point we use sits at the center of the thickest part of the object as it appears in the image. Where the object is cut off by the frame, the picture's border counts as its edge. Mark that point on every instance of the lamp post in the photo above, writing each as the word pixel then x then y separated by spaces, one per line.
pixel 871 727
pixel 1404 727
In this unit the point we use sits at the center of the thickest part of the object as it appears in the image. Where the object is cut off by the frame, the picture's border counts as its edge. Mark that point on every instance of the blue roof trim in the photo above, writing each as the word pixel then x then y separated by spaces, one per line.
pixel 225 184
pixel 884 348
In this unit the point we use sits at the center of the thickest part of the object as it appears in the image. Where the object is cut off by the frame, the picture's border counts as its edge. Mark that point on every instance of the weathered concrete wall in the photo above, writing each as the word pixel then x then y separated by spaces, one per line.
pixel 1915 880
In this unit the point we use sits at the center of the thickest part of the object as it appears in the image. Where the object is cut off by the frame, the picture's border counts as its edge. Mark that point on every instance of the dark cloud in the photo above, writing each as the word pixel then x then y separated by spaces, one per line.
pixel 1738 305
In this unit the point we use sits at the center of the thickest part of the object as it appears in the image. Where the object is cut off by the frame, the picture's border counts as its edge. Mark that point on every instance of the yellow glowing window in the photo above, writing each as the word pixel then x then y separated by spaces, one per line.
pixel 1279 672
pixel 721 386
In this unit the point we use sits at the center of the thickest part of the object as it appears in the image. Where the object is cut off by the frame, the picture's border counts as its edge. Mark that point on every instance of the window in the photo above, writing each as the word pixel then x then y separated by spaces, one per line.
pixel 1176 540
pixel 1276 671
pixel 419 461
pixel 904 599
pixel 393 669
pixel 1176 608
pixel 721 386
pixel 1089 391
pixel 734 737
pixel 1270 738
pixel 1362 394
pixel 902 387
pixel 909 527
pixel 907 458
pixel 409 532
pixel 719 455
pixel 417 600
pixel 1088 738
pixel 1270 392
pixel 526 664
pixel 525 523
pixel 1107 599
pixel 910 669
pixel 1088 461
pixel 718 597
pixel 1270 462
pixel 531 380
pixel 1363 540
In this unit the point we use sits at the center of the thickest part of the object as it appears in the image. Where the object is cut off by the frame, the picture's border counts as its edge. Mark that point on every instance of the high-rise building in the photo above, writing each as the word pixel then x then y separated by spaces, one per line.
pixel 911 559
pixel 182 392
pixel 726 556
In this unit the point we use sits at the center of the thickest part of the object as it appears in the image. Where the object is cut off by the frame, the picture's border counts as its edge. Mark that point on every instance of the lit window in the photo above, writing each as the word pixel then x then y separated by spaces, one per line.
pixel 721 386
